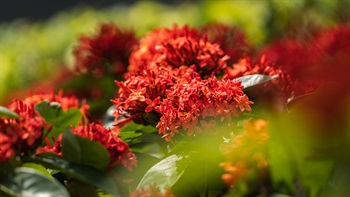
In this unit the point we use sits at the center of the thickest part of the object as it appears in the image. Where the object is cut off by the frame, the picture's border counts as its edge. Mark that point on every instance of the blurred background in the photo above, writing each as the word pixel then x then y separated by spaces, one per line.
pixel 37 37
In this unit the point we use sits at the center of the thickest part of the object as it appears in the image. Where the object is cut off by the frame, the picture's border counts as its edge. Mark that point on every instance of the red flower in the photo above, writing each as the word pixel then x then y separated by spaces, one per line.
pixel 108 51
pixel 65 102
pixel 118 150
pixel 26 132
pixel 178 47
pixel 6 151
pixel 231 40
pixel 210 101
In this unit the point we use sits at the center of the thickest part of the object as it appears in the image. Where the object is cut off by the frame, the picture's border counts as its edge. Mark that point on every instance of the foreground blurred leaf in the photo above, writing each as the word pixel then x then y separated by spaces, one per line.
pixel 255 79
pixel 165 173
pixel 80 172
pixel 85 151
pixel 59 119
pixel 7 113
pixel 29 182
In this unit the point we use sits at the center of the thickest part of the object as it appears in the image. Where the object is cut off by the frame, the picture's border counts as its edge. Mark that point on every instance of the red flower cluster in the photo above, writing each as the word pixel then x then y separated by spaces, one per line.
pixel 23 134
pixel 309 64
pixel 171 84
pixel 152 191
pixel 195 105
pixel 6 151
pixel 64 102
pixel 230 38
pixel 246 153
pixel 178 47
pixel 118 150
pixel 106 52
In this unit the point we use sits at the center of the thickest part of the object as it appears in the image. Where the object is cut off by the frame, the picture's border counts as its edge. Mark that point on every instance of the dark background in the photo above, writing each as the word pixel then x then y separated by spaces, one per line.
pixel 42 9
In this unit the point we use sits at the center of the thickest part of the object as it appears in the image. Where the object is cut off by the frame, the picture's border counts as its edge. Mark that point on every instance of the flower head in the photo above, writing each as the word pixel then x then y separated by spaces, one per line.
pixel 196 105
pixel 231 40
pixel 64 102
pixel 108 51
pixel 118 150
pixel 6 151
pixel 178 47
pixel 26 132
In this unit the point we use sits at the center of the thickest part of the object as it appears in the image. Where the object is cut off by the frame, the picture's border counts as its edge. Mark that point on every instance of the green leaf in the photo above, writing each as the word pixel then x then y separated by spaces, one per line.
pixel 85 151
pixel 79 189
pixel 60 120
pixel 7 113
pixel 39 168
pixel 255 79
pixel 165 173
pixel 83 173
pixel 29 182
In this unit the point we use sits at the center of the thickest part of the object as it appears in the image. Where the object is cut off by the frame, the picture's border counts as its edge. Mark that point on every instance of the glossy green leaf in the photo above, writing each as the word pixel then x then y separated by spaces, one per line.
pixel 29 182
pixel 255 79
pixel 83 173
pixel 38 167
pixel 60 120
pixel 166 172
pixel 7 113
pixel 85 151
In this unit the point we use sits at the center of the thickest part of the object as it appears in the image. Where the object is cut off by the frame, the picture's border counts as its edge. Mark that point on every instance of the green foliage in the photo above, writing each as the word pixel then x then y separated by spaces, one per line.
pixel 84 151
pixel 6 113
pixel 83 173
pixel 59 119
pixel 30 182
pixel 165 173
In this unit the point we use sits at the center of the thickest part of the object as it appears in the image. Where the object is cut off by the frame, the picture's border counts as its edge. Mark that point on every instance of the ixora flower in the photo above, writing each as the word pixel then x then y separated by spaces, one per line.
pixel 246 153
pixel 6 151
pixel 178 47
pixel 26 132
pixel 118 150
pixel 63 101
pixel 152 191
pixel 196 105
pixel 106 52
pixel 230 38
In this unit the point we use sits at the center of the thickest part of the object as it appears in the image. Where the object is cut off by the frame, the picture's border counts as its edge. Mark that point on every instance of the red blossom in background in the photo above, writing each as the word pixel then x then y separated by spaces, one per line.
pixel 230 38
pixel 178 47
pixel 105 53
pixel 247 152
pixel 118 150
pixel 310 64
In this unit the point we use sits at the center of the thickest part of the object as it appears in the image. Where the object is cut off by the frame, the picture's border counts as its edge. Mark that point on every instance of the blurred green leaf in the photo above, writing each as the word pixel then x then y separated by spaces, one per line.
pixel 80 172
pixel 165 173
pixel 85 151
pixel 7 113
pixel 29 182
pixel 79 189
